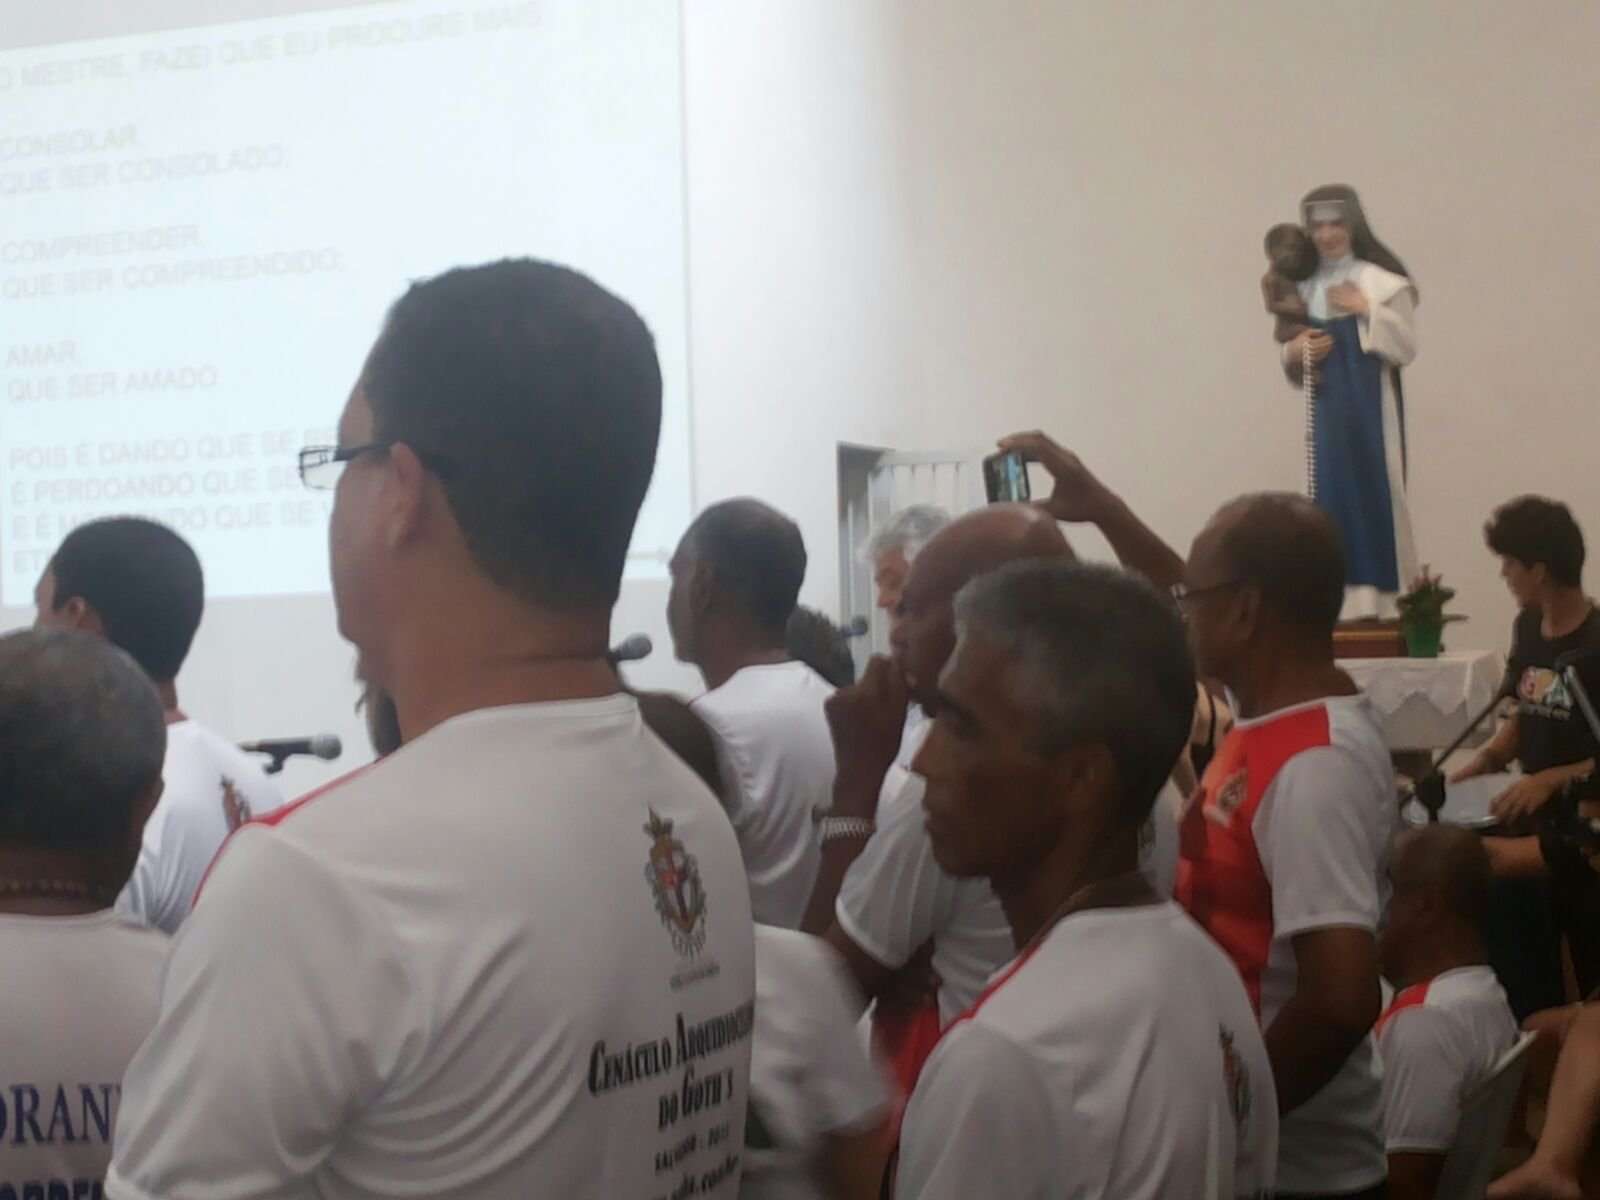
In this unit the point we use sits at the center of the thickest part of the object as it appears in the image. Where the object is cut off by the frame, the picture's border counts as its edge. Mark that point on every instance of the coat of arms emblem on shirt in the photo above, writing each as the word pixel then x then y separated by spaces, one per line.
pixel 234 806
pixel 1237 1078
pixel 1229 797
pixel 674 878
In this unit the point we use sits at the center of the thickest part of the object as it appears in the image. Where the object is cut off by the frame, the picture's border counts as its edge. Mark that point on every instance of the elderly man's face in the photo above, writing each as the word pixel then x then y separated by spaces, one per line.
pixel 991 801
pixel 889 577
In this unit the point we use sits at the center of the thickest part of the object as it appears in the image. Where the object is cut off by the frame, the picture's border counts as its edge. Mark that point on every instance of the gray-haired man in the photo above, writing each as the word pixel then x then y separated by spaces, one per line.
pixel 1082 1069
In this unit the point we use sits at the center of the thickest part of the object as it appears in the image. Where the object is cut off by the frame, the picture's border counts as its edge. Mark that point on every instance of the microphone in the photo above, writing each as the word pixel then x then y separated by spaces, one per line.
pixel 325 746
pixel 858 627
pixel 631 649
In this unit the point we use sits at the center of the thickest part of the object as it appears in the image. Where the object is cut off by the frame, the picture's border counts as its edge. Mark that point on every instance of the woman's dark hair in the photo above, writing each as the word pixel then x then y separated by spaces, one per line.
pixel 1534 530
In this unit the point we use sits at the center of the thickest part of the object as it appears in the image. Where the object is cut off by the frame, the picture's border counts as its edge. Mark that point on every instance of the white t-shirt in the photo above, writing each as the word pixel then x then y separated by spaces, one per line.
pixel 1318 788
pixel 810 1075
pixel 895 897
pixel 212 787
pixel 1120 1059
pixel 513 959
pixel 1438 1041
pixel 776 756
pixel 900 784
pixel 80 995
pixel 1158 840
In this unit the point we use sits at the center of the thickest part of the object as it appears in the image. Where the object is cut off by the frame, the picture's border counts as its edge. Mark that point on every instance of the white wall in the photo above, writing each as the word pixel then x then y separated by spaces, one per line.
pixel 1020 214
pixel 922 223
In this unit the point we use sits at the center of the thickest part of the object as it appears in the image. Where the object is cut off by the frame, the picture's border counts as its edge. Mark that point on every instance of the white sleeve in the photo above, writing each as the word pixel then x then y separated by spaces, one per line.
pixel 285 1008
pixel 895 897
pixel 1389 329
pixel 1423 1078
pixel 149 892
pixel 979 1124
pixel 846 1090
pixel 1316 847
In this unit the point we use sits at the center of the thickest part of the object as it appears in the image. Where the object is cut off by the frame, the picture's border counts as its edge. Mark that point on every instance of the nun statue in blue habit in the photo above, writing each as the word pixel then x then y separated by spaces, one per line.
pixel 1361 308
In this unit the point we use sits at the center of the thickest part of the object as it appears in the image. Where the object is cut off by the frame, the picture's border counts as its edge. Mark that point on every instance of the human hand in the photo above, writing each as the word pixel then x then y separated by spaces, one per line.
pixel 866 720
pixel 1478 766
pixel 1536 1179
pixel 1524 797
pixel 1077 496
pixel 1320 343
pixel 1347 298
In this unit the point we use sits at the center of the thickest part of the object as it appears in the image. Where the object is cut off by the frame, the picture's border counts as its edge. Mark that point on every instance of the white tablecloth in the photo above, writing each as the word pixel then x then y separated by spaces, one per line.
pixel 1425 703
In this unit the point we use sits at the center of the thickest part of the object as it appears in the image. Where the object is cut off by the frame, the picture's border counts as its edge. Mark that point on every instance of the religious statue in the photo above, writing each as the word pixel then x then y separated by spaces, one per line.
pixel 1344 311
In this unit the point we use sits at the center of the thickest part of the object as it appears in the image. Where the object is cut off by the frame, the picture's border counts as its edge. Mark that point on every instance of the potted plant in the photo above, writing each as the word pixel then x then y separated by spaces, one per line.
pixel 1422 615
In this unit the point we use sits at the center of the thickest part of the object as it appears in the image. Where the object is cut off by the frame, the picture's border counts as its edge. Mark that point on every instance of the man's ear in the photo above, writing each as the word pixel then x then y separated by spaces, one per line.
pixel 77 613
pixel 1082 775
pixel 142 808
pixel 405 494
pixel 702 588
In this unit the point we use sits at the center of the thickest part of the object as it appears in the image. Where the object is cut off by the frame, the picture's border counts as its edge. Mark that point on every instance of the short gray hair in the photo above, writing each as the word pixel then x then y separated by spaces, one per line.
pixel 1098 657
pixel 907 530
pixel 82 738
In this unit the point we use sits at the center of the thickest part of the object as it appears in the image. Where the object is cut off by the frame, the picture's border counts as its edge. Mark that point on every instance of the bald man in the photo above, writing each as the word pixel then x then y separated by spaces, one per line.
pixel 894 901
pixel 1284 848
pixel 1450 1022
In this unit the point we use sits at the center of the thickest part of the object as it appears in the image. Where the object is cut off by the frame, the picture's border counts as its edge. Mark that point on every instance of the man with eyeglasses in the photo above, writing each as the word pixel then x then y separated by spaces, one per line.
pixel 514 958
pixel 1284 848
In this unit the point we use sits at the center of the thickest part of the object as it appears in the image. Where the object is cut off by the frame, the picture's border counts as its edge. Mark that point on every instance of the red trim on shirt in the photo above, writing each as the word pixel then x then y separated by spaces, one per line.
pixel 1414 996
pixel 1221 881
pixel 276 817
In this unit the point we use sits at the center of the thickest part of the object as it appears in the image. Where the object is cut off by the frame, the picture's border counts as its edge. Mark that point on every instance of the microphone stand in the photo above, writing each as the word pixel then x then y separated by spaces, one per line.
pixel 275 767
pixel 1429 790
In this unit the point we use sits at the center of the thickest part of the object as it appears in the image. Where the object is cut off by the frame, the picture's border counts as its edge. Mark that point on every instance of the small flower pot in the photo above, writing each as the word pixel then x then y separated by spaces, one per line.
pixel 1424 641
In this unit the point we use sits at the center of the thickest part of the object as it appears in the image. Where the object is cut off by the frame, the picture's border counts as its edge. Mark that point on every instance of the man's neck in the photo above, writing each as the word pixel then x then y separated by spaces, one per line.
pixel 1064 883
pixel 1563 611
pixel 42 883
pixel 1281 677
pixel 1442 953
pixel 167 693
pixel 437 669
pixel 725 658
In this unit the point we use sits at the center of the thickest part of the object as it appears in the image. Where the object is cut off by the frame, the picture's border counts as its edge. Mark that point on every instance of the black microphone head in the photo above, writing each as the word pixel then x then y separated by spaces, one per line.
pixel 326 746
pixel 857 627
pixel 632 648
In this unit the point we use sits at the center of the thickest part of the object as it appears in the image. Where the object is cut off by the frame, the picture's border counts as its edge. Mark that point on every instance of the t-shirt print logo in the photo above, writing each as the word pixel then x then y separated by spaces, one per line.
pixel 1546 692
pixel 1237 1079
pixel 234 806
pixel 1230 795
pixel 674 878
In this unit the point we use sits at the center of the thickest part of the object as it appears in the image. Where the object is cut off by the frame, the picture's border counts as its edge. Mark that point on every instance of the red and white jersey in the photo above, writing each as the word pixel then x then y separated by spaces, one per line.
pixel 1119 1058
pixel 1438 1040
pixel 1289 833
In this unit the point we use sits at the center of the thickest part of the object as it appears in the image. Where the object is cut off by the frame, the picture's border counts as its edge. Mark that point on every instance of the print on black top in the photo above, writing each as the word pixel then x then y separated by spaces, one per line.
pixel 1551 731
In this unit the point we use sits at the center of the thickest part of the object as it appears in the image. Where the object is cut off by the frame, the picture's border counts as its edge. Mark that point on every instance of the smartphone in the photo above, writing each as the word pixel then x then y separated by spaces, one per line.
pixel 1005 477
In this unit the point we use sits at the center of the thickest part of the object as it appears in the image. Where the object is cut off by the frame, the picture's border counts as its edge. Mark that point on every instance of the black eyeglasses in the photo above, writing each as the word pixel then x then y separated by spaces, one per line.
pixel 1183 595
pixel 321 466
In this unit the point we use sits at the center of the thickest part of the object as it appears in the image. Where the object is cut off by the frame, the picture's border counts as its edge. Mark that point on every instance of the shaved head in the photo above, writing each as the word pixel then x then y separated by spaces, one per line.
pixel 983 541
pixel 1449 860
pixel 973 545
